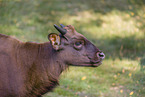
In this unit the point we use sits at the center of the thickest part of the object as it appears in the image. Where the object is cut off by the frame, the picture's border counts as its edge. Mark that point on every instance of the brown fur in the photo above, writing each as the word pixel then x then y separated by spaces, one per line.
pixel 26 69
pixel 32 69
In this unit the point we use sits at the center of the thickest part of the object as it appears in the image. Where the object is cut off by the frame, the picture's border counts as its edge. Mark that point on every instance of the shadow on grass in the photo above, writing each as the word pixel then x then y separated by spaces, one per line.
pixel 24 13
pixel 54 9
pixel 139 78
pixel 122 47
pixel 142 63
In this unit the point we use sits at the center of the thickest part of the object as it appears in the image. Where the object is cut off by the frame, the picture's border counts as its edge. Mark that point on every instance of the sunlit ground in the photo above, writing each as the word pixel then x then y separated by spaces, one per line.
pixel 117 27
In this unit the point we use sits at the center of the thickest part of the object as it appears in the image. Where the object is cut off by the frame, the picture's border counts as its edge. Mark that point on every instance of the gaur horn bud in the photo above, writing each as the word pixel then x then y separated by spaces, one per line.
pixel 61 30
pixel 62 26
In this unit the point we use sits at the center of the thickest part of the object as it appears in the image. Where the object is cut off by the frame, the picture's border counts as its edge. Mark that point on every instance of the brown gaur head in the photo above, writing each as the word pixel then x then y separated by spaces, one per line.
pixel 74 49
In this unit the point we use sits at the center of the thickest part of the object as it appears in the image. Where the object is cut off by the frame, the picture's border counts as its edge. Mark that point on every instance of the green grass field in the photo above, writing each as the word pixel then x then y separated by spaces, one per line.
pixel 117 27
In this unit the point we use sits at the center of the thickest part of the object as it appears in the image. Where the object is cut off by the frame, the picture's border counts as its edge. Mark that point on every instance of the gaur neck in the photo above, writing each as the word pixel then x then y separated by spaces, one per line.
pixel 50 59
pixel 45 69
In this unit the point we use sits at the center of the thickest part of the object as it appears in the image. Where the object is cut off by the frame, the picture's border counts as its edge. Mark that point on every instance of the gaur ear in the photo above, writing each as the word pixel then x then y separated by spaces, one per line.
pixel 55 40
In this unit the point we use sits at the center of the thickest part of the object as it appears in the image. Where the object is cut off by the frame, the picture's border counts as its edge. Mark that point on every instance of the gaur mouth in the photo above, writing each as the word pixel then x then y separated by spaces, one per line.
pixel 97 64
pixel 94 64
pixel 89 64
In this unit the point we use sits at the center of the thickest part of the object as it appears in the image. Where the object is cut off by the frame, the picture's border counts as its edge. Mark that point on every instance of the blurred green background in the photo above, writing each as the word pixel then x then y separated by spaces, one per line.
pixel 117 27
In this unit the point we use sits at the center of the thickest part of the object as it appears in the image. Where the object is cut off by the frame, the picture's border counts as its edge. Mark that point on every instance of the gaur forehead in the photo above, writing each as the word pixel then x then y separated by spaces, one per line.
pixel 73 34
pixel 78 36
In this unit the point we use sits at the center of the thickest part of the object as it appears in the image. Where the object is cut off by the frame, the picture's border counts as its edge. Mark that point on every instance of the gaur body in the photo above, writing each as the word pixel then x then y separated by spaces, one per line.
pixel 32 69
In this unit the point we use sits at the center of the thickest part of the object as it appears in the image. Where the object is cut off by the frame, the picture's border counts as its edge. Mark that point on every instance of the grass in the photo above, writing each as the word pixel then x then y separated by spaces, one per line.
pixel 117 27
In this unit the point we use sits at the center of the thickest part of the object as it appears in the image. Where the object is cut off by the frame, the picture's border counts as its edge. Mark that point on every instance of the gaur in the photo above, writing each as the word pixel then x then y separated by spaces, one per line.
pixel 29 69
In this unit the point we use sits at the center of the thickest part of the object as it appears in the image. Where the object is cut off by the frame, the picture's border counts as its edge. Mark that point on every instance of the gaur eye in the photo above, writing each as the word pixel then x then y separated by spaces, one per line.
pixel 78 44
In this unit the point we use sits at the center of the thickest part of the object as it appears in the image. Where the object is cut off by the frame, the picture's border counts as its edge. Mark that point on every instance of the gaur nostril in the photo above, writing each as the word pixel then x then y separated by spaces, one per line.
pixel 101 55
